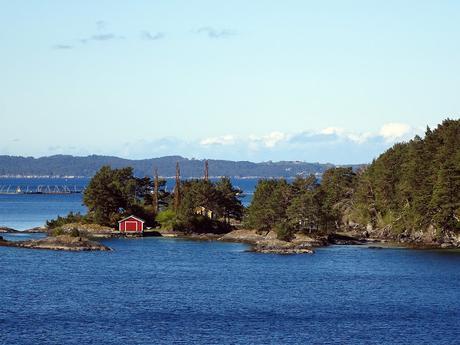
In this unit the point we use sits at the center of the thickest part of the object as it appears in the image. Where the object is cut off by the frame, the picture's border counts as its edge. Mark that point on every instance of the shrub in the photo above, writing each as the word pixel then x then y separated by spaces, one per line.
pixel 57 232
pixel 167 219
pixel 70 218
pixel 284 232
pixel 74 232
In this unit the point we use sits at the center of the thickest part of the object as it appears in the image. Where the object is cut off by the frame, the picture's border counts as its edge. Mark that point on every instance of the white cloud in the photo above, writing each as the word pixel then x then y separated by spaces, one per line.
pixel 332 130
pixel 282 141
pixel 274 138
pixel 342 133
pixel 222 140
pixel 359 138
pixel 393 131
pixel 270 140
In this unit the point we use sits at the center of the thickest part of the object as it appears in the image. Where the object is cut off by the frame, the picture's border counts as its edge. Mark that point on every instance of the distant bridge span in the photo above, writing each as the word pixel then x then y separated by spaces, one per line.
pixel 42 189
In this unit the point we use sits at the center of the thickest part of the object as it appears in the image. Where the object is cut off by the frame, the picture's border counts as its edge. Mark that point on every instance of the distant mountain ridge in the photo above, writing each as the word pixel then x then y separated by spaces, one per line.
pixel 66 165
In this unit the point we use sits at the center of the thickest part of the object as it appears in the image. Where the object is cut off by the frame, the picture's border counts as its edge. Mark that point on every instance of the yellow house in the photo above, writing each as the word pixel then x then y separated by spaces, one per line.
pixel 203 211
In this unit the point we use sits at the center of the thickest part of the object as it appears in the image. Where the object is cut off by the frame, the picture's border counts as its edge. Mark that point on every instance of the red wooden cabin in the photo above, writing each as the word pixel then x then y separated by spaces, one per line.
pixel 132 225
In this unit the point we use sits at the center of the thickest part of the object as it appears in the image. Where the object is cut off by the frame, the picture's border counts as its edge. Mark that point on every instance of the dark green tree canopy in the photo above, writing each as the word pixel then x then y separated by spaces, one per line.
pixel 303 205
pixel 114 193
pixel 205 200
pixel 414 185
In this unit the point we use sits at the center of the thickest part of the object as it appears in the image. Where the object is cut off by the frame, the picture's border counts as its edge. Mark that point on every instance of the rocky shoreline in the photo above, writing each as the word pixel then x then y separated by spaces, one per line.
pixel 260 242
pixel 422 239
pixel 62 242
pixel 268 243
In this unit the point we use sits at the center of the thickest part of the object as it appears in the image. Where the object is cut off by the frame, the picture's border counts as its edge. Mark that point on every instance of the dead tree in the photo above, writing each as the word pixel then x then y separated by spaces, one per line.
pixel 206 170
pixel 155 191
pixel 177 191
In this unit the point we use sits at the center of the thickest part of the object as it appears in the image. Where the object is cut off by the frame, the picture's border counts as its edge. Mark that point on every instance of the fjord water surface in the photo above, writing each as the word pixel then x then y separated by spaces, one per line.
pixel 166 291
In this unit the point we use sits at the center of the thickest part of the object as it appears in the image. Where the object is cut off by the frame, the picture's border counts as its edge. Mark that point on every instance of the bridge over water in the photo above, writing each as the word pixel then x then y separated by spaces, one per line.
pixel 42 189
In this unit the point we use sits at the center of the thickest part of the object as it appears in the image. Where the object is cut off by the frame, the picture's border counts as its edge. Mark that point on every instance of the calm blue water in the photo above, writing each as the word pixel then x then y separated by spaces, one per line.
pixel 166 291
pixel 23 212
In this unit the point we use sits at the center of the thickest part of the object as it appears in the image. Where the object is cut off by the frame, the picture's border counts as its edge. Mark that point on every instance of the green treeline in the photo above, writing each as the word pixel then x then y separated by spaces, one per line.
pixel 207 206
pixel 112 194
pixel 197 205
pixel 303 205
pixel 414 186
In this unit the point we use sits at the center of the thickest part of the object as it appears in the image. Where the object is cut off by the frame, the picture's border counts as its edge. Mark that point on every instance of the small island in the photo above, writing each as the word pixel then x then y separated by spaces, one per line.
pixel 409 196
pixel 61 242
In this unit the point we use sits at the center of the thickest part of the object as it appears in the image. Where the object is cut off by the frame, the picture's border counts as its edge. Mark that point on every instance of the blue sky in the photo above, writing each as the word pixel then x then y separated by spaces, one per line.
pixel 327 81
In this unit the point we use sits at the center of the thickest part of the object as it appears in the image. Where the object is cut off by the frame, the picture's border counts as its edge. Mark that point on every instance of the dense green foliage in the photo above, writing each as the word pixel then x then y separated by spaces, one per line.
pixel 115 193
pixel 414 185
pixel 167 219
pixel 207 206
pixel 302 206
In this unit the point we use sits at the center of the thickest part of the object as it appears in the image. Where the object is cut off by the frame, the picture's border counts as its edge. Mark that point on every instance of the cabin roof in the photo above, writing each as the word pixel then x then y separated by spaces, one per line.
pixel 137 218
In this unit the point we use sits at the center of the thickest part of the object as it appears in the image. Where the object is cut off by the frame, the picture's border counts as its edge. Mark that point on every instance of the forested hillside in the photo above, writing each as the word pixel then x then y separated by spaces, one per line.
pixel 62 165
pixel 412 191
pixel 415 185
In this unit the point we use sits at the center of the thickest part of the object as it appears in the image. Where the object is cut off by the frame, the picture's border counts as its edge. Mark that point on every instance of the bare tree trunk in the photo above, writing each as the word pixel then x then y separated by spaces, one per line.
pixel 177 191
